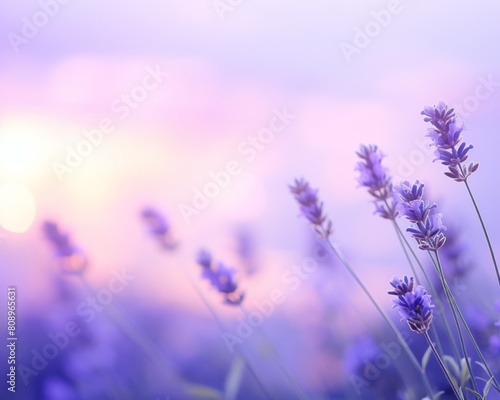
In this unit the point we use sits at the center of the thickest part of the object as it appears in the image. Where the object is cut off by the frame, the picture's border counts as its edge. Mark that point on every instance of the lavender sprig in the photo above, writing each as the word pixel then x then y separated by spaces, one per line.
pixel 413 303
pixel 311 207
pixel 415 307
pixel 158 227
pixel 428 232
pixel 301 188
pixel 375 177
pixel 71 258
pixel 220 277
pixel 427 229
pixel 446 136
pixel 61 242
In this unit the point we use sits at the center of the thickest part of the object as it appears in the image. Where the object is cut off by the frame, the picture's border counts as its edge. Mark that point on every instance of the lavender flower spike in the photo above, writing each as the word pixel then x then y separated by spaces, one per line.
pixel 70 258
pixel 311 207
pixel 61 242
pixel 401 286
pixel 158 227
pixel 221 278
pixel 408 192
pixel 445 134
pixel 375 177
pixel 427 228
pixel 413 303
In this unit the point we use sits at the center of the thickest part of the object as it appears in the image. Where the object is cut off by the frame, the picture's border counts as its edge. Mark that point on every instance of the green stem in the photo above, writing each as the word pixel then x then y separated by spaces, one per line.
pixel 134 334
pixel 443 367
pixel 434 294
pixel 474 343
pixel 222 329
pixel 453 307
pixel 298 391
pixel 490 246
pixel 400 236
pixel 400 338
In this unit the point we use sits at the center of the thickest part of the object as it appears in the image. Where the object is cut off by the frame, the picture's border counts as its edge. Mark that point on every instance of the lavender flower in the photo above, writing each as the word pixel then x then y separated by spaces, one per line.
pixel 413 303
pixel 60 241
pixel 401 287
pixel 221 278
pixel 428 228
pixel 70 257
pixel 311 207
pixel 408 192
pixel 445 134
pixel 204 258
pixel 159 227
pixel 374 176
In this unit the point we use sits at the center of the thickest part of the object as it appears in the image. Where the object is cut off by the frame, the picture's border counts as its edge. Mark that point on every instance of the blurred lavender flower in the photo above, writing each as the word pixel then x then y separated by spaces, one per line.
pixel 311 207
pixel 494 340
pixel 158 227
pixel 428 228
pixel 60 241
pixel 358 353
pixel 413 304
pixel 445 134
pixel 376 178
pixel 70 257
pixel 204 258
pixel 221 278
pixel 369 382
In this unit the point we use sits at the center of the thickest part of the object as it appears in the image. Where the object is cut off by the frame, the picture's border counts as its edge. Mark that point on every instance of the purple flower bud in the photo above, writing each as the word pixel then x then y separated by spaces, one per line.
pixel 375 177
pixel 221 278
pixel 158 225
pixel 408 192
pixel 445 134
pixel 71 259
pixel 413 303
pixel 427 228
pixel 401 287
pixel 311 207
pixel 60 241
pixel 204 258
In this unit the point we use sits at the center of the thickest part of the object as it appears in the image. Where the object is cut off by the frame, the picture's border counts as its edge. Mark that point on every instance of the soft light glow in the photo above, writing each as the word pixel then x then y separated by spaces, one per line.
pixel 19 145
pixel 17 153
pixel 17 207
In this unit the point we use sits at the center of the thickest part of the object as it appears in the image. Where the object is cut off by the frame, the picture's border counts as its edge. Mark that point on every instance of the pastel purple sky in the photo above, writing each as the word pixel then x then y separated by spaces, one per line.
pixel 225 79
